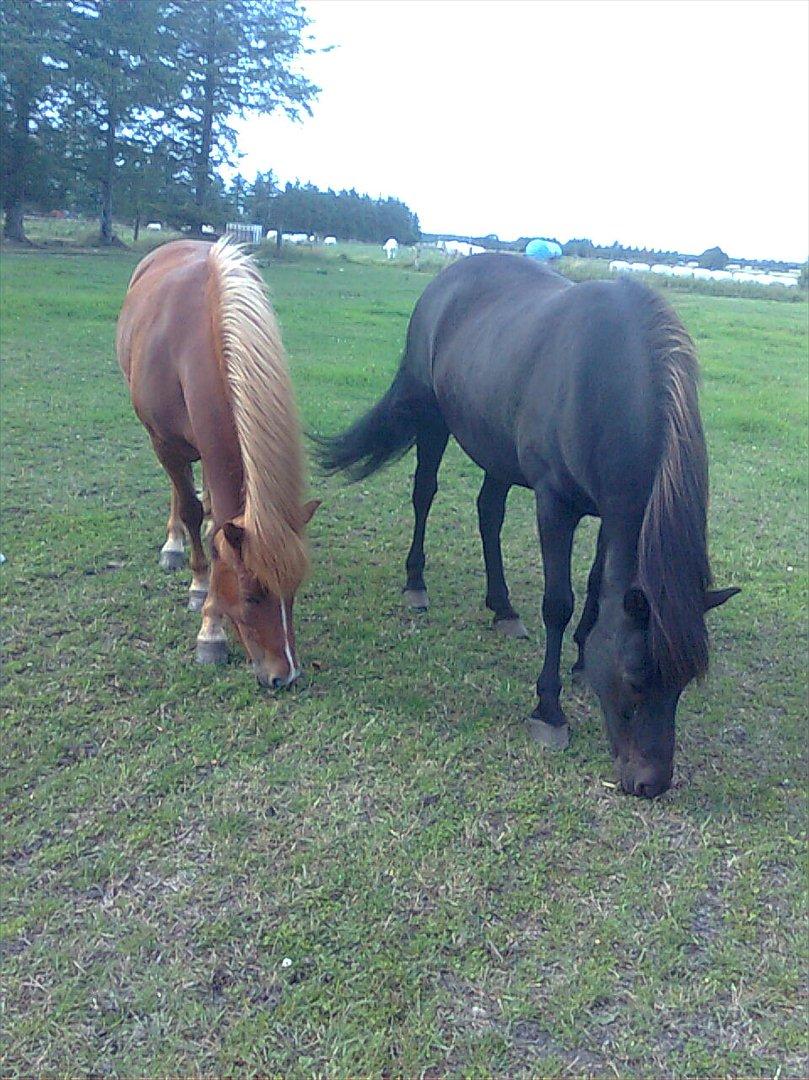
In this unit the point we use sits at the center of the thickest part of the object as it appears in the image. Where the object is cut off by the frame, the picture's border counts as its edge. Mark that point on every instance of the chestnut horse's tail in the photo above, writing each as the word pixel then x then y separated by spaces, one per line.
pixel 673 567
pixel 246 330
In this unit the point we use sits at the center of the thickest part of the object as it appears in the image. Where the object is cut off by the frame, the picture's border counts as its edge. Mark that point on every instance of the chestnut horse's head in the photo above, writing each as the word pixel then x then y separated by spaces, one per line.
pixel 262 619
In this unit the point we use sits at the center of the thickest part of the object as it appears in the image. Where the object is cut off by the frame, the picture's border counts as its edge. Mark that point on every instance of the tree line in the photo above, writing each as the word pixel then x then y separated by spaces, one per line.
pixel 346 215
pixel 127 105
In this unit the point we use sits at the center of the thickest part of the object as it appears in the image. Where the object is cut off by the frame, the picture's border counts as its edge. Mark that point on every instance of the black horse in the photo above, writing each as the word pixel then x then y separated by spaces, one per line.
pixel 588 395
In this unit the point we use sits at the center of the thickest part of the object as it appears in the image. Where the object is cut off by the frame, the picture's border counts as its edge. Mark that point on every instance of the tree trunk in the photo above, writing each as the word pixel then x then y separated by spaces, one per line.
pixel 136 227
pixel 205 149
pixel 203 161
pixel 107 180
pixel 13 225
pixel 13 204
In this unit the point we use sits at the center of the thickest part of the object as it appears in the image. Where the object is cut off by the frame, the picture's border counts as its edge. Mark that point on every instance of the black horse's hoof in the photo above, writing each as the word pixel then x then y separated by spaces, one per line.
pixel 511 628
pixel 416 599
pixel 553 736
pixel 196 599
pixel 172 560
pixel 577 674
pixel 211 652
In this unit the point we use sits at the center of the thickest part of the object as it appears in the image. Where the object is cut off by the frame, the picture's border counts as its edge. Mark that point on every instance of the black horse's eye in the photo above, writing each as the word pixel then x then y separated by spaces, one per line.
pixel 636 687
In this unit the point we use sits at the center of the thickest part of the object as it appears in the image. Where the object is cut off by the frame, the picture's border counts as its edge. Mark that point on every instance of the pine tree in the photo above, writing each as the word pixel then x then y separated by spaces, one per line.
pixel 121 69
pixel 25 85
pixel 235 56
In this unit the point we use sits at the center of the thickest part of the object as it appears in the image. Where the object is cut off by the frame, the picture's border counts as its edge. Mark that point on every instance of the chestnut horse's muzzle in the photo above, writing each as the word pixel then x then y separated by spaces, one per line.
pixel 275 682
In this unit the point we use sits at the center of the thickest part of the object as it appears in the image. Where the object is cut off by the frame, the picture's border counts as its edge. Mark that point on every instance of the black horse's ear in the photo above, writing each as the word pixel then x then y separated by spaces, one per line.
pixel 637 606
pixel 234 534
pixel 717 597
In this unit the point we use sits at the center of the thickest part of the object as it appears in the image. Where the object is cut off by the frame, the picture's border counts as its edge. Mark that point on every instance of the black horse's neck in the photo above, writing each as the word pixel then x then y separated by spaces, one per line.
pixel 620 558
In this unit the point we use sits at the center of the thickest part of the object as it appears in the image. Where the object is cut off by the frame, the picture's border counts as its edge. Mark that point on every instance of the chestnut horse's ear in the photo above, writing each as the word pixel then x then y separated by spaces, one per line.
pixel 234 534
pixel 636 605
pixel 308 511
pixel 716 597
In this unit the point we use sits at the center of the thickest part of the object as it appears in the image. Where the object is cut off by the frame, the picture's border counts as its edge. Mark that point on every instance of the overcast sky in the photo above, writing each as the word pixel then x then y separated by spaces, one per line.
pixel 674 123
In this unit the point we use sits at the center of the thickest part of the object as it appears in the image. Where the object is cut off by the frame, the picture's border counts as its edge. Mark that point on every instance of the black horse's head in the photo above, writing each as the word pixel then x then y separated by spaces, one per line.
pixel 639 706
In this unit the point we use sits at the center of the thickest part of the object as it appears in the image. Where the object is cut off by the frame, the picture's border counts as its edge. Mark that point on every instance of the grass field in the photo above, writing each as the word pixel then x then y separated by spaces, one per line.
pixel 377 873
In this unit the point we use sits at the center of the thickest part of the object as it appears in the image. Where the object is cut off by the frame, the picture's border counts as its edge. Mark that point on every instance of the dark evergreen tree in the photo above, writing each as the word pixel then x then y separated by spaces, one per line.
pixel 713 259
pixel 121 70
pixel 26 81
pixel 234 56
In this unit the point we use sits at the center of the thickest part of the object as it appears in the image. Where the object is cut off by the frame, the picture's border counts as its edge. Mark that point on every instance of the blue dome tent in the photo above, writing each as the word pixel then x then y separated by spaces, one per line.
pixel 544 250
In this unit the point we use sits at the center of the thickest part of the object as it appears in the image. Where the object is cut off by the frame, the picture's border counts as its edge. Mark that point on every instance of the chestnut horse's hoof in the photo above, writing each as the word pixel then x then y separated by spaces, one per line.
pixel 554 736
pixel 212 652
pixel 416 599
pixel 196 599
pixel 172 560
pixel 511 628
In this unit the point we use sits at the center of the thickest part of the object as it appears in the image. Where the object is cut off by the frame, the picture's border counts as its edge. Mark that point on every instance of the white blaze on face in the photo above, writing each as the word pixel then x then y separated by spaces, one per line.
pixel 293 671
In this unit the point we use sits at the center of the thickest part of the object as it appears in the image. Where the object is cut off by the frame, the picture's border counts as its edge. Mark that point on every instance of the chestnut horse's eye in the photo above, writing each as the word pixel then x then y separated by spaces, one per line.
pixel 252 600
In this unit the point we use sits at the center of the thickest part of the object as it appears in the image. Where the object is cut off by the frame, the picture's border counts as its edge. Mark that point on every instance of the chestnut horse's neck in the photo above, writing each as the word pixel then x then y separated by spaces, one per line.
pixel 249 345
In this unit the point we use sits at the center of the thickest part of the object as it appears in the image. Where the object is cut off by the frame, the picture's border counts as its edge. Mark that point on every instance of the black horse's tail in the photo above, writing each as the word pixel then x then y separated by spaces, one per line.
pixel 384 434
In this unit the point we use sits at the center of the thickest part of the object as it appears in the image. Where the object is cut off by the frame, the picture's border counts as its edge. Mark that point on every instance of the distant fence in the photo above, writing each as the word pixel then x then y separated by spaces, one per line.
pixel 244 234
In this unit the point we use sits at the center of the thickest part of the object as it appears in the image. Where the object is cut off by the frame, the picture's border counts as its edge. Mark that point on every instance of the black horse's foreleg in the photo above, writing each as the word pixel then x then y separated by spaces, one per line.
pixel 431 442
pixel 491 512
pixel 557 523
pixel 589 614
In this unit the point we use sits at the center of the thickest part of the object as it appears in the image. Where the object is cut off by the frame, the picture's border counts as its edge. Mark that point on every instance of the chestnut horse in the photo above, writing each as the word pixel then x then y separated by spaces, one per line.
pixel 201 350
pixel 586 394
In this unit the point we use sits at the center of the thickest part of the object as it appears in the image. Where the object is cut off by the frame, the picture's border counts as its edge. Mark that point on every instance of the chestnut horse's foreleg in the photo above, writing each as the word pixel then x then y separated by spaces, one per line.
pixel 431 442
pixel 491 512
pixel 212 644
pixel 590 613
pixel 557 523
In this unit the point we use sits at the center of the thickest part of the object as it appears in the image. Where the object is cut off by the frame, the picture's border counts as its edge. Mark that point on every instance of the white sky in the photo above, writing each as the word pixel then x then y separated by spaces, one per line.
pixel 674 123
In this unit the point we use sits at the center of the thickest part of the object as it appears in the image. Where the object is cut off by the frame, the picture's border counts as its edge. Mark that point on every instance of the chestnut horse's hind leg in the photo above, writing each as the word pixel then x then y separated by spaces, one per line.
pixel 590 613
pixel 205 497
pixel 172 554
pixel 557 523
pixel 491 512
pixel 187 509
pixel 431 442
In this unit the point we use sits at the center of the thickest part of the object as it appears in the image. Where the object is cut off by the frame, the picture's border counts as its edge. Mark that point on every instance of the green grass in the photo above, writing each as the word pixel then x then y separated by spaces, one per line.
pixel 377 872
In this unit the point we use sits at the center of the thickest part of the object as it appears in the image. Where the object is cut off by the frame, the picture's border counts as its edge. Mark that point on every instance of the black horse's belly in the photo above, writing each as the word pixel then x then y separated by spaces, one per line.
pixel 480 420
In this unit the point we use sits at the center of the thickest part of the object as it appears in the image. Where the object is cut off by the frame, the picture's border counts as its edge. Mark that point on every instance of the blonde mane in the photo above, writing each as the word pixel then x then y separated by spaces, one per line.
pixel 266 422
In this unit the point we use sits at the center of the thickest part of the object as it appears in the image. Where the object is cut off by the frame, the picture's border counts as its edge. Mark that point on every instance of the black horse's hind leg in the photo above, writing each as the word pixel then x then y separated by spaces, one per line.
pixel 431 442
pixel 589 614
pixel 557 523
pixel 491 512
